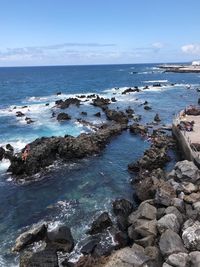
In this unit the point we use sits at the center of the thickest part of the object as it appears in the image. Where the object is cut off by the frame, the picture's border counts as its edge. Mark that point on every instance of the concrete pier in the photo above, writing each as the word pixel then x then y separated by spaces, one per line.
pixel 188 139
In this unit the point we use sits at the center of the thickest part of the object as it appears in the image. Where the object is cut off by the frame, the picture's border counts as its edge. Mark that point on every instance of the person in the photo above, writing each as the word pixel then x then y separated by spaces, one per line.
pixel 25 155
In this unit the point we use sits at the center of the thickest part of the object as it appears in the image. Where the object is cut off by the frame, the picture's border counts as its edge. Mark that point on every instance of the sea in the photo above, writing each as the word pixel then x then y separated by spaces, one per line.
pixel 75 193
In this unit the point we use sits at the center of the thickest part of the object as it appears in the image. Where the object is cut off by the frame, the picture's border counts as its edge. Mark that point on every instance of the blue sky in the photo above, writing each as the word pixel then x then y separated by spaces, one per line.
pixel 65 32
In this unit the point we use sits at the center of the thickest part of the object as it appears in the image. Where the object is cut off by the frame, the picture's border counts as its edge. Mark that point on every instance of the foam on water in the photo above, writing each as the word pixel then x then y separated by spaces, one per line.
pixel 4 164
pixel 157 81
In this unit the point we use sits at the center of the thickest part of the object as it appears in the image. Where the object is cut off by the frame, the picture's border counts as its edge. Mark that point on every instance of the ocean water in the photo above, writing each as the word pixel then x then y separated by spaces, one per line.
pixel 74 193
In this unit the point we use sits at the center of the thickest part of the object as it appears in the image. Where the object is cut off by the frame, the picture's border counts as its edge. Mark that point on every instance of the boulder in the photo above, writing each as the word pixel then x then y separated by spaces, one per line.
pixel 63 117
pixel 186 171
pixel 178 260
pixel 194 259
pixel 128 257
pixel 192 198
pixel 98 114
pixel 122 207
pixel 191 236
pixel 19 114
pixel 169 221
pixel 170 243
pixel 142 228
pixel 102 222
pixel 10 148
pixel 60 239
pixel 164 194
pixel 157 118
pixel 2 153
pixel 147 107
pixel 35 234
pixel 84 113
pixel 173 210
pixel 44 258
pixel 89 245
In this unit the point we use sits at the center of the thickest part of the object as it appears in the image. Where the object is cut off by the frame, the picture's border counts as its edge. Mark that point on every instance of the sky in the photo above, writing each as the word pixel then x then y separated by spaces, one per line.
pixel 79 32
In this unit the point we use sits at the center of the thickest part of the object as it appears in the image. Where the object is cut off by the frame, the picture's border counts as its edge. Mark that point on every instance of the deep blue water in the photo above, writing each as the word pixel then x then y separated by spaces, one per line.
pixel 75 193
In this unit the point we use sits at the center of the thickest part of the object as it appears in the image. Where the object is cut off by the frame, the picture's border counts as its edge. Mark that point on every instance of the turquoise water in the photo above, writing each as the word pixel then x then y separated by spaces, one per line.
pixel 76 192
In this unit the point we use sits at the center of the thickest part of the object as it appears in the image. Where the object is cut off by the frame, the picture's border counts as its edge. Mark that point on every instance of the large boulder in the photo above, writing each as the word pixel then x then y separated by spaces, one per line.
pixel 191 236
pixel 102 222
pixel 122 207
pixel 128 257
pixel 169 221
pixel 60 239
pixel 136 128
pixel 170 243
pixel 186 171
pixel 194 259
pixel 44 258
pixel 35 234
pixel 178 260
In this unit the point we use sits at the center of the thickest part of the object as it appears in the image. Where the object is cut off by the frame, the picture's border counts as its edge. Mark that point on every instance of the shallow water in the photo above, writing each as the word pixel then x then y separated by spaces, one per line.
pixel 74 193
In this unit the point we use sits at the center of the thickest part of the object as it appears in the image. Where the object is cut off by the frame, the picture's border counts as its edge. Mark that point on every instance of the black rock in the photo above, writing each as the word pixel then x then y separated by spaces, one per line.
pixel 101 102
pixel 98 114
pixel 59 93
pixel 66 103
pixel 147 107
pixel 118 116
pixel 100 224
pixel 44 258
pixel 60 239
pixel 10 148
pixel 2 153
pixel 89 245
pixel 113 99
pixel 63 117
pixel 19 114
pixel 157 118
pixel 122 207
pixel 84 113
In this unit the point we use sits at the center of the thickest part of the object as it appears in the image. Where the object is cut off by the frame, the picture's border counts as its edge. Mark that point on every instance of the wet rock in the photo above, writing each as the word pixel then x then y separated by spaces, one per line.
pixel 10 148
pixel 178 260
pixel 2 153
pixel 33 235
pixel 98 114
pixel 147 108
pixel 122 239
pixel 44 258
pixel 89 245
pixel 169 221
pixel 28 120
pixel 67 148
pixel 60 239
pixel 58 93
pixel 136 128
pixel 113 99
pixel 63 117
pixel 101 102
pixel 157 118
pixel 122 207
pixel 84 113
pixel 171 243
pixel 63 104
pixel 157 85
pixel 19 114
pixel 129 111
pixel 117 116
pixel 100 224
pixel 130 90
pixel 47 104
pixel 191 236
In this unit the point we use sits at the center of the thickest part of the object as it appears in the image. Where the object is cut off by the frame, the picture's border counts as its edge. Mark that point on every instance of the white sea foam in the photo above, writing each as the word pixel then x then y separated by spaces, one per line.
pixel 4 164
pixel 156 81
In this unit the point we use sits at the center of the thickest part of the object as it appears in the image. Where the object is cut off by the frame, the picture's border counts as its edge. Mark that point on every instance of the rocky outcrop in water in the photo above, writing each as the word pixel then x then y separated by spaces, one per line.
pixel 101 102
pixel 63 104
pixel 44 151
pixel 63 117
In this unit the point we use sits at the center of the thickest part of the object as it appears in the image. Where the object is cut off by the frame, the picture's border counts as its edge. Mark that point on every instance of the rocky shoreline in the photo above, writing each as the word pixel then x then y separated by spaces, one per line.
pixel 161 231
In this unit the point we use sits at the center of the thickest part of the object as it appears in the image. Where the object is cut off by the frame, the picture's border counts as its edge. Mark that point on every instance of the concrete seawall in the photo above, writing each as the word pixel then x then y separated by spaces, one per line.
pixel 185 144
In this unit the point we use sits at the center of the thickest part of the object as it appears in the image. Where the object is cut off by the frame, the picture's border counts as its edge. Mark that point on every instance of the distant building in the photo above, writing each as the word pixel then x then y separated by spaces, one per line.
pixel 196 63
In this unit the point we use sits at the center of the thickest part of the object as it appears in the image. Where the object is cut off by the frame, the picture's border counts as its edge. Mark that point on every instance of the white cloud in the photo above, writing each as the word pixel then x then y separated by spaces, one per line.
pixel 193 49
pixel 158 45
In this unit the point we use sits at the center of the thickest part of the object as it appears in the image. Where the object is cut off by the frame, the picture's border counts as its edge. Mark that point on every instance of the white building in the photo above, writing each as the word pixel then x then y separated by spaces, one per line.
pixel 196 63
